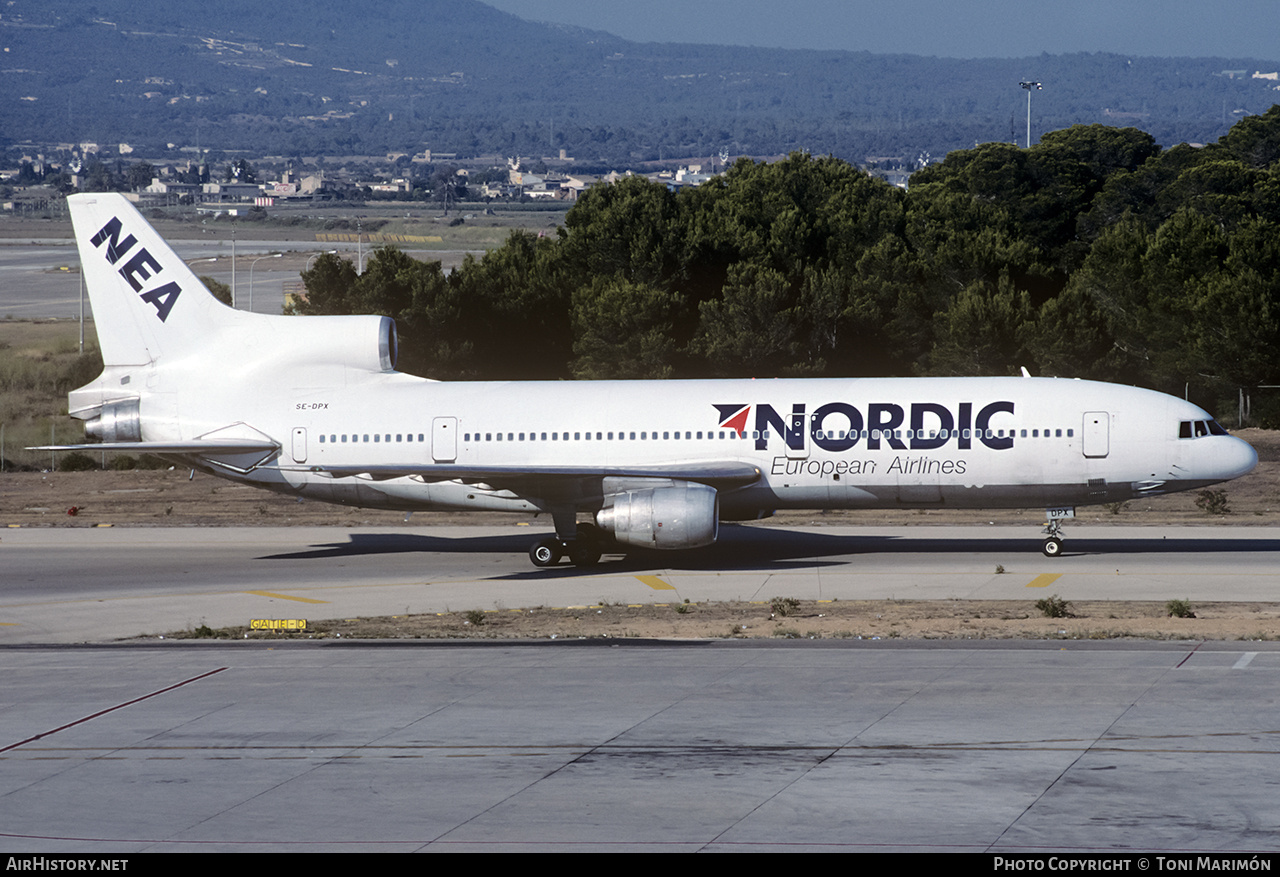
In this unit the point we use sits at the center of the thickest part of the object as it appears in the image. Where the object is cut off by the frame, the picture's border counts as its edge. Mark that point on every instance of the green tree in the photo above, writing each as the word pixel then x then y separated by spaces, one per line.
pixel 623 330
pixel 331 287
pixel 1237 311
pixel 1140 193
pixel 1255 140
pixel 1221 189
pixel 217 289
pixel 99 178
pixel 981 332
pixel 240 171
pixel 140 175
pixel 632 229
pixel 516 302
pixel 1069 337
pixel 754 329
pixel 1041 191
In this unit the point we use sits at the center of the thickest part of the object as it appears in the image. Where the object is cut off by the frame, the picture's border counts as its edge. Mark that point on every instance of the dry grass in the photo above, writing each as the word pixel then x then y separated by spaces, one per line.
pixel 39 364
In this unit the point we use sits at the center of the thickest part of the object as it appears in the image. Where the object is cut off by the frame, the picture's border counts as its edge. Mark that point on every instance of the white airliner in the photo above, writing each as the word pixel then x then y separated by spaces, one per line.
pixel 313 407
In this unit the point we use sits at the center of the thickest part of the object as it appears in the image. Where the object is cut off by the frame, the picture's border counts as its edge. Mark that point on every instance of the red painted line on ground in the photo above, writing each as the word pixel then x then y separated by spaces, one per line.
pixel 110 709
pixel 1189 654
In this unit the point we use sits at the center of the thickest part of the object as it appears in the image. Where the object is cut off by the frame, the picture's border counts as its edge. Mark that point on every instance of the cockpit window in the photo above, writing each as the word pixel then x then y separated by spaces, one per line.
pixel 1197 428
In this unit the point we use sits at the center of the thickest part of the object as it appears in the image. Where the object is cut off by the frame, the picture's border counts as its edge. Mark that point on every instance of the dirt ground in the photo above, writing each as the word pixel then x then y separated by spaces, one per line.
pixel 169 498
pixel 808 619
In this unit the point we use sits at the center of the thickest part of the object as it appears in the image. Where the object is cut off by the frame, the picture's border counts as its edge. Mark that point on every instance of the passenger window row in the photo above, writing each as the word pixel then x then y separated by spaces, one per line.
pixel 1200 427
pixel 605 436
pixel 934 433
pixel 375 438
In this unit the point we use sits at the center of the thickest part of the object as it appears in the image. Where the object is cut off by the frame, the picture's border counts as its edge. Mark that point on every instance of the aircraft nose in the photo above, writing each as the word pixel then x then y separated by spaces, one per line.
pixel 1235 457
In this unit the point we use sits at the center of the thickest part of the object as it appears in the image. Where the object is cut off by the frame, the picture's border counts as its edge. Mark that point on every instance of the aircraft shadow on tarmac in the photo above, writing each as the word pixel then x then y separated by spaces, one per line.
pixel 765 548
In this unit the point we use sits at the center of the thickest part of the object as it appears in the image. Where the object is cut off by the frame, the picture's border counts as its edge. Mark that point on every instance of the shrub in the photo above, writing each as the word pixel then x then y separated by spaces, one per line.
pixel 784 606
pixel 1054 607
pixel 1213 502
pixel 77 462
pixel 1179 609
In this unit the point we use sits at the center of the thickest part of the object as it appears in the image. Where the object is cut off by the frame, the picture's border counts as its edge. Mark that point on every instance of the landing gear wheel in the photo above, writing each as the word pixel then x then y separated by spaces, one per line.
pixel 584 552
pixel 546 552
pixel 600 538
pixel 1052 547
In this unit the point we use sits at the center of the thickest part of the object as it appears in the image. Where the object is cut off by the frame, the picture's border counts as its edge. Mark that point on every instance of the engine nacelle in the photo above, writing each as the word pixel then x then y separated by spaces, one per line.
pixel 363 343
pixel 117 422
pixel 683 516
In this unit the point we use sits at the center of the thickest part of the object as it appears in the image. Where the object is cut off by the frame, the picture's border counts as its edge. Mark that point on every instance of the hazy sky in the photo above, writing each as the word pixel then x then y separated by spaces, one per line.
pixel 949 28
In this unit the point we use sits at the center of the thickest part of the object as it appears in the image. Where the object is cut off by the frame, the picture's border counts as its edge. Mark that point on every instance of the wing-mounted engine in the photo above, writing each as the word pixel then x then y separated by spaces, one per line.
pixel 681 516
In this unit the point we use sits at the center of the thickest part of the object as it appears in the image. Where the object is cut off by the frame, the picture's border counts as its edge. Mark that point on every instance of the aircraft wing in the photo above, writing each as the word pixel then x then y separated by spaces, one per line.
pixel 718 475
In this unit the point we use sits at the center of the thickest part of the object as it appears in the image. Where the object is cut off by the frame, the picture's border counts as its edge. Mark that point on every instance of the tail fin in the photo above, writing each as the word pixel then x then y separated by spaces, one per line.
pixel 147 304
pixel 163 334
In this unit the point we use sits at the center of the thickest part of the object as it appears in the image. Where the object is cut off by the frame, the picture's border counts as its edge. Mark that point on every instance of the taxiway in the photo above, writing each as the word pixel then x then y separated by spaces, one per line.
pixel 97 584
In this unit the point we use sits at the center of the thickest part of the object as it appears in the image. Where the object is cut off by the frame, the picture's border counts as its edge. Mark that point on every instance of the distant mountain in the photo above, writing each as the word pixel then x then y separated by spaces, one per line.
pixel 320 76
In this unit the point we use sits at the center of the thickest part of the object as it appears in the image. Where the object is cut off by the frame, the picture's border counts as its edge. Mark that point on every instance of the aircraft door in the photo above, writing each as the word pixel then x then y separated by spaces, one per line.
pixel 299 444
pixel 1096 436
pixel 444 439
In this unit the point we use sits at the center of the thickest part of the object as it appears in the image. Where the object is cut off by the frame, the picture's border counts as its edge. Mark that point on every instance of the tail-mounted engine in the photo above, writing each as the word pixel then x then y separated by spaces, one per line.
pixel 682 516
pixel 116 422
pixel 304 344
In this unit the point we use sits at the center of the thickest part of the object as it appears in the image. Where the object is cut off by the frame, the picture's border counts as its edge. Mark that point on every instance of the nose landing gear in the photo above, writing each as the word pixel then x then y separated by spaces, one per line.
pixel 1053 542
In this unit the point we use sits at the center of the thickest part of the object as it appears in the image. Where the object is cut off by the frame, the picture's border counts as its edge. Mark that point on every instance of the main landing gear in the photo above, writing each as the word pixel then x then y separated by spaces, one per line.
pixel 1053 541
pixel 583 548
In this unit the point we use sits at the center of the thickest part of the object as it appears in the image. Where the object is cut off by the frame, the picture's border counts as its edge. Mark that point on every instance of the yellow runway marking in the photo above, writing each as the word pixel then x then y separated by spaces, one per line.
pixel 284 597
pixel 656 583
pixel 1044 580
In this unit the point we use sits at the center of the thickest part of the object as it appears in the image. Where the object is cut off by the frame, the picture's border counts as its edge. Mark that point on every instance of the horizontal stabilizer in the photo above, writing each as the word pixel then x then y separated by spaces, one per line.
pixel 198 446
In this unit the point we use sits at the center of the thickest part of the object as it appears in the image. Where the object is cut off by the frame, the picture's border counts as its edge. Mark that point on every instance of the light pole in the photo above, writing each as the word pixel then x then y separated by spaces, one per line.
pixel 360 246
pixel 200 261
pixel 233 260
pixel 315 256
pixel 251 266
pixel 1030 87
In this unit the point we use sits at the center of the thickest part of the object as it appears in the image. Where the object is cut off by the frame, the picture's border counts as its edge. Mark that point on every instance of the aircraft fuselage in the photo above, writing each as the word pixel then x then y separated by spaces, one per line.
pixel 858 443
